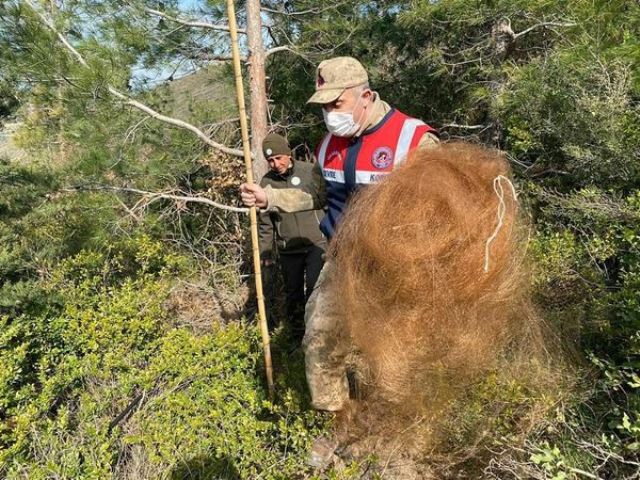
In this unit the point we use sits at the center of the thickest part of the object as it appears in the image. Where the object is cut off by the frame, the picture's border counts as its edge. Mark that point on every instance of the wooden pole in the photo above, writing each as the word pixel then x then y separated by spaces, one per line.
pixel 233 29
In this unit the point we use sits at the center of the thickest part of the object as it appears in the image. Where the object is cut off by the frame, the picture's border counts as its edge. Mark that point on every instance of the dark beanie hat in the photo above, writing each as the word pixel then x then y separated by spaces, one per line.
pixel 274 144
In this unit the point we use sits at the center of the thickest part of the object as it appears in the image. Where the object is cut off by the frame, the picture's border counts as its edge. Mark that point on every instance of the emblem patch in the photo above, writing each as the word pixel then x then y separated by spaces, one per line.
pixel 382 157
pixel 295 181
pixel 334 156
pixel 269 152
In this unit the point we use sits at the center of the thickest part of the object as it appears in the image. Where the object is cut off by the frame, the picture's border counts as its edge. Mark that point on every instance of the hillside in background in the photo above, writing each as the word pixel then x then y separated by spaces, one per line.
pixel 211 90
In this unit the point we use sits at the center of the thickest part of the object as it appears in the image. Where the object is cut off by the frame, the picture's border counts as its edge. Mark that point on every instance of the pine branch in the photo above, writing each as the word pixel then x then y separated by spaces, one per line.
pixel 134 103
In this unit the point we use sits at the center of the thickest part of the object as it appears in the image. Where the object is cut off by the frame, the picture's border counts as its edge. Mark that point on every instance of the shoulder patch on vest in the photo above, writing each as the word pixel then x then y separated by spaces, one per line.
pixel 334 156
pixel 382 157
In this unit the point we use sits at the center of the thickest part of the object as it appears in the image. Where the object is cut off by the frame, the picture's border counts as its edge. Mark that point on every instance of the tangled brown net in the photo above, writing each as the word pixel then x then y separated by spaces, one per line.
pixel 431 275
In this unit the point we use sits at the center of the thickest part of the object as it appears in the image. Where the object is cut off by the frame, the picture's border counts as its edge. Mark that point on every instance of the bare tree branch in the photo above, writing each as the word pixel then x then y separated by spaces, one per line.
pixel 465 127
pixel 601 205
pixel 283 48
pixel 151 197
pixel 176 122
pixel 585 474
pixel 310 11
pixel 286 48
pixel 291 14
pixel 130 211
pixel 134 103
pixel 211 57
pixel 465 62
pixel 505 38
pixel 543 25
pixel 191 23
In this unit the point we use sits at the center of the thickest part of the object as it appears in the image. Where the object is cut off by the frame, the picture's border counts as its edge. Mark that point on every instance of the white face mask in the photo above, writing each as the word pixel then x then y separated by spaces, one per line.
pixel 341 124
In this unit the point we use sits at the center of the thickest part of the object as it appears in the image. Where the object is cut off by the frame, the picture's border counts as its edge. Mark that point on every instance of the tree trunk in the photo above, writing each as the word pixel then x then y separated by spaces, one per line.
pixel 257 86
pixel 53 8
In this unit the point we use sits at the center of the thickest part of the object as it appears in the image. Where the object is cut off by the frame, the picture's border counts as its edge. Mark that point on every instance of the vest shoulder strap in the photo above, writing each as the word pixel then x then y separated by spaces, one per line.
pixel 321 152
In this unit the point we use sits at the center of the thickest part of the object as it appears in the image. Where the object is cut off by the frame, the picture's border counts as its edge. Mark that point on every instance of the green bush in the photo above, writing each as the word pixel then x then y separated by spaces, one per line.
pixel 192 402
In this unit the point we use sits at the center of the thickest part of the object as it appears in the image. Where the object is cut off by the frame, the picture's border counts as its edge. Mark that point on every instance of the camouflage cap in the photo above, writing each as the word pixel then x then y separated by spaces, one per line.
pixel 334 76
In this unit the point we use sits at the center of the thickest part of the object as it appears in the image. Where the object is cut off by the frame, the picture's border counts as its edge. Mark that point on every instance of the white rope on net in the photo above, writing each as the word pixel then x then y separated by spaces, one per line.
pixel 502 208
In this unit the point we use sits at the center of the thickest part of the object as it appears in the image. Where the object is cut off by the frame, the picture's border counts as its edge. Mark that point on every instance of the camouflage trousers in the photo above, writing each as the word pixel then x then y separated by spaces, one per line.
pixel 326 347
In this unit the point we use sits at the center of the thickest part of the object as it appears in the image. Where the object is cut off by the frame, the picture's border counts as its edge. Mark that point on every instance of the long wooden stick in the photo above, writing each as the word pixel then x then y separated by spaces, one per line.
pixel 233 30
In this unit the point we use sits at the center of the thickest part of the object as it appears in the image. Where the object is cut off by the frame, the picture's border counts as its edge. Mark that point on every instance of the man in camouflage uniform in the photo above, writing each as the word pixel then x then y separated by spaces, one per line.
pixel 367 139
pixel 297 239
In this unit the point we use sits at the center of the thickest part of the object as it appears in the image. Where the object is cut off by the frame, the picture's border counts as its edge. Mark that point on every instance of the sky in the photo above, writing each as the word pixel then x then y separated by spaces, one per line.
pixel 186 4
